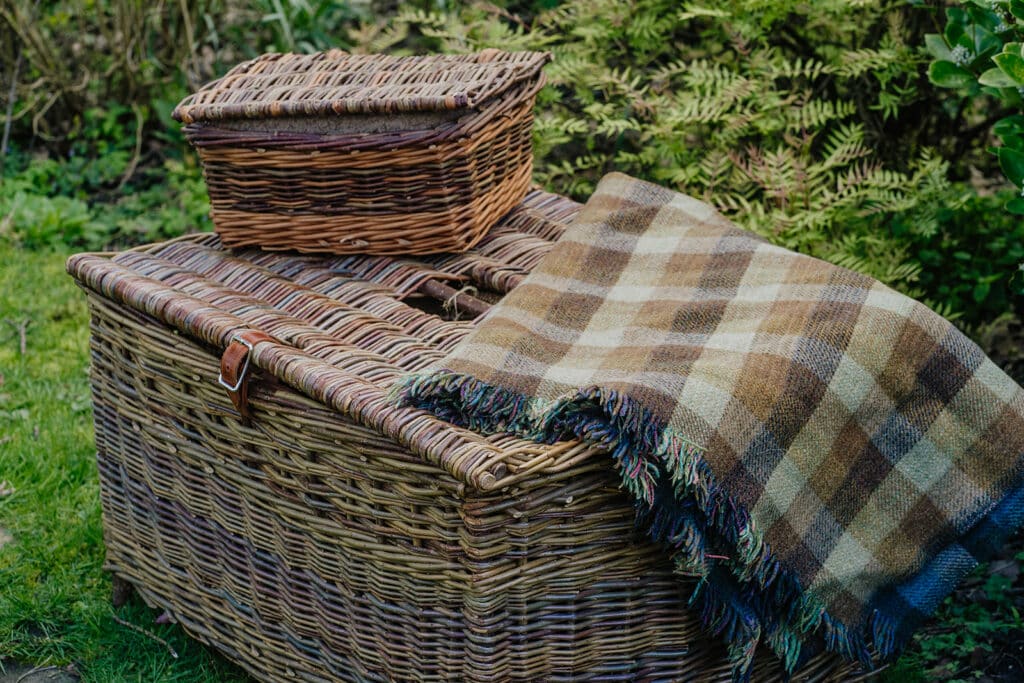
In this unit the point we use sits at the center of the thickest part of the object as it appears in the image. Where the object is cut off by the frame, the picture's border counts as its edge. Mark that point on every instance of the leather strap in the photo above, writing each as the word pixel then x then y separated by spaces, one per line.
pixel 234 368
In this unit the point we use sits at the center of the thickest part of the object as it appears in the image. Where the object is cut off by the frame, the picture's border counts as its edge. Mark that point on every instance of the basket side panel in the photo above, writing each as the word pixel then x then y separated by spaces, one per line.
pixel 317 194
pixel 566 590
pixel 305 546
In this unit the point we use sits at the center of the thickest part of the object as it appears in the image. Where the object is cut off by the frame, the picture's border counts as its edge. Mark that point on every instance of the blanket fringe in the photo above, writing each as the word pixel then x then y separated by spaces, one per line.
pixel 677 499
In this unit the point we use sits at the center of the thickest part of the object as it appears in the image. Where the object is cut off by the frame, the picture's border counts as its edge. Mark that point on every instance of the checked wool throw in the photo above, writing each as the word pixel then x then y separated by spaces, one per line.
pixel 826 456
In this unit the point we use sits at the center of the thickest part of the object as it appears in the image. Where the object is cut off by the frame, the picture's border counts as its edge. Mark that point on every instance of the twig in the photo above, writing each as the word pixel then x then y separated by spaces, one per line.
pixel 11 93
pixel 130 171
pixel 22 329
pixel 38 669
pixel 191 40
pixel 38 116
pixel 148 634
pixel 505 14
pixel 464 296
pixel 10 110
pixel 31 101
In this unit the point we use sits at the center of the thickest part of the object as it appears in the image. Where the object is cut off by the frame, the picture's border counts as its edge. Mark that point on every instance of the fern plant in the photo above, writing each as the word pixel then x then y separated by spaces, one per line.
pixel 772 110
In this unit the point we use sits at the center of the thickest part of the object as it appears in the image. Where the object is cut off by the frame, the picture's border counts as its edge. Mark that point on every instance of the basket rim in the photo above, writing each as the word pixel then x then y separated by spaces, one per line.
pixel 514 101
pixel 335 83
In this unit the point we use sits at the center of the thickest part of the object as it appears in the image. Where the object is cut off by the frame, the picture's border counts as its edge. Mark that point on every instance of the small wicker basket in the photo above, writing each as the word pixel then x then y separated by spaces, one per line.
pixel 343 153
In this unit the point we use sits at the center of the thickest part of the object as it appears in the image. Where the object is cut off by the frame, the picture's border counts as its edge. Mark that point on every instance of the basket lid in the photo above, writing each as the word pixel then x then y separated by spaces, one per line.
pixel 338 83
pixel 343 330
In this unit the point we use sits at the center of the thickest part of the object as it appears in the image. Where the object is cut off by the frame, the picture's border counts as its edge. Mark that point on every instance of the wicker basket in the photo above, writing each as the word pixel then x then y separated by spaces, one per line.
pixel 372 154
pixel 333 537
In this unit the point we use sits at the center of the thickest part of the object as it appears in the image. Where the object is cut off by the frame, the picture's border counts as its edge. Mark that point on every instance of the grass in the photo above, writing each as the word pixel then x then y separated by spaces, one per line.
pixel 55 601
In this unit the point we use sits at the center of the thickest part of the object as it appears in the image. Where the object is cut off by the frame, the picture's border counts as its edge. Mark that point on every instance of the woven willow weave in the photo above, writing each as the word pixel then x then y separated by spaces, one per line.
pixel 335 537
pixel 347 153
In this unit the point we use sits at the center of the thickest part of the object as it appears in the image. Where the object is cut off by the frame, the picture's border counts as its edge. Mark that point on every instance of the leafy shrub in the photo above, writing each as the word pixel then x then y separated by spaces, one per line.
pixel 287 26
pixel 971 265
pixel 176 203
pixel 94 158
pixel 813 124
pixel 38 221
pixel 40 208
pixel 776 112
pixel 981 54
pixel 68 57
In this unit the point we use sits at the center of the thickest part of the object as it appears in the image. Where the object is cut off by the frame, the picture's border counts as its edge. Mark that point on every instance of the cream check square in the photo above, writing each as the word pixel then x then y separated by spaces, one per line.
pixel 705 400
pixel 989 374
pixel 844 566
pixel 924 465
pixel 780 491
pixel 890 300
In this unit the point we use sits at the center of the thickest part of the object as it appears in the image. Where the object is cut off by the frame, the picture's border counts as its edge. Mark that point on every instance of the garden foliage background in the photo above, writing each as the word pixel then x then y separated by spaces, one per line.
pixel 815 124
pixel 881 135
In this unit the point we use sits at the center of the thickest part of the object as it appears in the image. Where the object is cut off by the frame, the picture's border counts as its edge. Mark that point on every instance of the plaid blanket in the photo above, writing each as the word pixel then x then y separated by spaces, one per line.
pixel 828 457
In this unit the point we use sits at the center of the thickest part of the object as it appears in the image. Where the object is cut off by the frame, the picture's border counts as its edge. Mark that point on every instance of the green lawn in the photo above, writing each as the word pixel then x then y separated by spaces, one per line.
pixel 54 596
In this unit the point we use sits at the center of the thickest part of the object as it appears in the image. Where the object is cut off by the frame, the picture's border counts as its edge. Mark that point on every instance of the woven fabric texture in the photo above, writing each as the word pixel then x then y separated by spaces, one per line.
pixel 827 455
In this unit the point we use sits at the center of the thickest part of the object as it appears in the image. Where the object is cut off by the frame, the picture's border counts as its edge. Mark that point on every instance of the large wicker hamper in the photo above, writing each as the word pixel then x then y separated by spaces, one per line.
pixel 333 537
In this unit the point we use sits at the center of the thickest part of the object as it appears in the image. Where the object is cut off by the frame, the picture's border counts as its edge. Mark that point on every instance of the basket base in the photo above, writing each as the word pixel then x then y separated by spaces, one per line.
pixel 387 234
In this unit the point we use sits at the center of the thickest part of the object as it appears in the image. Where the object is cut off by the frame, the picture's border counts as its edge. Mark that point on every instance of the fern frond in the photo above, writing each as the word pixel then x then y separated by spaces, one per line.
pixel 855 63
pixel 693 11
pixel 815 114
pixel 421 18
pixel 805 68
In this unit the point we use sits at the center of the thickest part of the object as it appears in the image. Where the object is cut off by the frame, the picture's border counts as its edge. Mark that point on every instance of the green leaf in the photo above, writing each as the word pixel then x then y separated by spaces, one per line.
pixel 1011 65
pixel 1016 206
pixel 955 20
pixel 937 46
pixel 1014 141
pixel 1012 163
pixel 986 43
pixel 995 78
pixel 1017 8
pixel 948 75
pixel 980 291
pixel 983 16
pixel 1010 125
